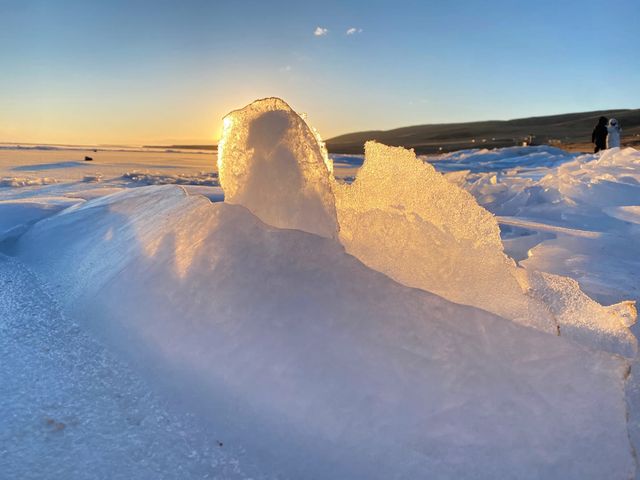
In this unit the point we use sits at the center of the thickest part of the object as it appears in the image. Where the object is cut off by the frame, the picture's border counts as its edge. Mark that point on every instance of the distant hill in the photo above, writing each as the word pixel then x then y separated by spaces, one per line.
pixel 566 130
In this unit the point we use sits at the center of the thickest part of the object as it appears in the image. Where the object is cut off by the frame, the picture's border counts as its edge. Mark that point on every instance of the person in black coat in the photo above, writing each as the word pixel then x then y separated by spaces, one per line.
pixel 599 135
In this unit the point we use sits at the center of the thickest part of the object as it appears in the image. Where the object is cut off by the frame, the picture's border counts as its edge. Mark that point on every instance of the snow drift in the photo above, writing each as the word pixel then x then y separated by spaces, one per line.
pixel 332 367
pixel 16 215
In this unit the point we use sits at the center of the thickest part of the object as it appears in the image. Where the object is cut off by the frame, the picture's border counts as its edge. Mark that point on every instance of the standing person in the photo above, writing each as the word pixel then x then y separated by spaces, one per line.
pixel 599 135
pixel 613 137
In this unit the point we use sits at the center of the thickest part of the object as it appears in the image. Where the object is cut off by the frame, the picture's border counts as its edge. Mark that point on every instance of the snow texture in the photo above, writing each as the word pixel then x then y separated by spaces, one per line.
pixel 72 410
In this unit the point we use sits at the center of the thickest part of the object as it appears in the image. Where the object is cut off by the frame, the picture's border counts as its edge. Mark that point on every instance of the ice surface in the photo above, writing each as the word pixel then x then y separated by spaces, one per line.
pixel 271 162
pixel 30 168
pixel 317 364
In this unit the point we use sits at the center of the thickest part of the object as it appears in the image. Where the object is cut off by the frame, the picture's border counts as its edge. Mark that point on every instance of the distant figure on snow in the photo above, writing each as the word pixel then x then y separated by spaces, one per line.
pixel 613 137
pixel 599 135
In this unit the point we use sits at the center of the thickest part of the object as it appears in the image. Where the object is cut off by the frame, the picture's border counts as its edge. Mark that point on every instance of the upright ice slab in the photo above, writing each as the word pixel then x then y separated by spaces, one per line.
pixel 403 218
pixel 271 162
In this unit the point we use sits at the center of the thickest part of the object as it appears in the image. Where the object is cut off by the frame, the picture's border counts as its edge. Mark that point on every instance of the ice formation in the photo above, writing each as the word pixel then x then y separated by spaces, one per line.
pixel 317 364
pixel 403 218
pixel 271 162
pixel 320 362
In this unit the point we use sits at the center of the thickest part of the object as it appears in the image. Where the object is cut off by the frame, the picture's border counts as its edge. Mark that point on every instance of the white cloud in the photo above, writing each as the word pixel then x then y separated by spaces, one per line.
pixel 320 32
pixel 353 31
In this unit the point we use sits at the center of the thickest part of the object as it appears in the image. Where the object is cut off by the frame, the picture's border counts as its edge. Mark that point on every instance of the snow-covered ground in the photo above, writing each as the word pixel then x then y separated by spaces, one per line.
pixel 395 323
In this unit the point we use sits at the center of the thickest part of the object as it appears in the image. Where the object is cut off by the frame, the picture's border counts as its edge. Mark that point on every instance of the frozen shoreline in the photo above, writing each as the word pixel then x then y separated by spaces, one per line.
pixel 288 344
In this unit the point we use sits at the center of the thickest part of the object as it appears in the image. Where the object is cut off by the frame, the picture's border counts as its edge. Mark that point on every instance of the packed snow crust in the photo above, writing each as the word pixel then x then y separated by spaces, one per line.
pixel 71 409
pixel 310 326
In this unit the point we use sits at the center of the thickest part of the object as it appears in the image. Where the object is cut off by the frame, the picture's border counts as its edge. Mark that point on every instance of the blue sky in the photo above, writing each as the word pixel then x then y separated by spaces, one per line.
pixel 167 71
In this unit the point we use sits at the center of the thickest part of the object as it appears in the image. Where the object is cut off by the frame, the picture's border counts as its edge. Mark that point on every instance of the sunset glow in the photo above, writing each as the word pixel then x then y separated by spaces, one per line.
pixel 142 73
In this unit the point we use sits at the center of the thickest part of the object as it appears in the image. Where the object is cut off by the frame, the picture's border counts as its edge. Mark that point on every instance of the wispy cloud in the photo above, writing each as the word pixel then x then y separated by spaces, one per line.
pixel 353 31
pixel 286 68
pixel 320 31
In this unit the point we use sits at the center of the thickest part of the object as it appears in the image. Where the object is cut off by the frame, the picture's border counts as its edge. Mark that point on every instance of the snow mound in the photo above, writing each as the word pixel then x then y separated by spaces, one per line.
pixel 319 365
pixel 271 162
pixel 611 178
pixel 403 218
pixel 18 214
pixel 630 213
pixel 26 181
pixel 146 178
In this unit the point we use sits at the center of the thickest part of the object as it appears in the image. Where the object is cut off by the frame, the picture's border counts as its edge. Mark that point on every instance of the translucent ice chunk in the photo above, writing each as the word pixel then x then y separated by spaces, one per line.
pixel 271 162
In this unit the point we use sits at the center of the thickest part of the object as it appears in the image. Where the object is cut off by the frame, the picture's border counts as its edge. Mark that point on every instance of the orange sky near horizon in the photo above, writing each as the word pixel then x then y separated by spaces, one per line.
pixel 140 73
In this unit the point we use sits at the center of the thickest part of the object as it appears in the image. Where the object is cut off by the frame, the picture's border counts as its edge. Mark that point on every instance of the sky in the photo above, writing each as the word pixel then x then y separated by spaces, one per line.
pixel 166 72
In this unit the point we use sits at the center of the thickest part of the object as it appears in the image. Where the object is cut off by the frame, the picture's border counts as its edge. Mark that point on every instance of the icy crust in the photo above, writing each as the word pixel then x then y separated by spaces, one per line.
pixel 271 162
pixel 403 218
pixel 25 181
pixel 319 365
pixel 584 320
